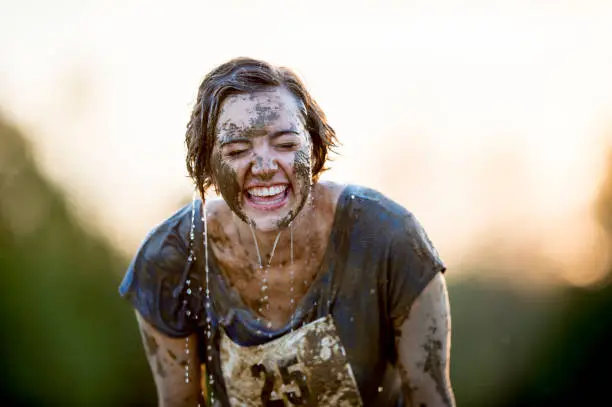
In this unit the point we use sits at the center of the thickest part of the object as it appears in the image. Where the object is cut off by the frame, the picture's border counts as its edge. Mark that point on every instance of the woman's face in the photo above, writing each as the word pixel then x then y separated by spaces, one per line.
pixel 262 157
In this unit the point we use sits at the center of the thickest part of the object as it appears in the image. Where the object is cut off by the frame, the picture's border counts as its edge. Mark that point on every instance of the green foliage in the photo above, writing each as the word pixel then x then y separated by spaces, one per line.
pixel 68 338
pixel 515 348
pixel 497 332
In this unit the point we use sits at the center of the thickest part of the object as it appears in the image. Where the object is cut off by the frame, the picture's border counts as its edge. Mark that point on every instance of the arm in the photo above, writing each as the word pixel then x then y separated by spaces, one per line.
pixel 423 348
pixel 167 359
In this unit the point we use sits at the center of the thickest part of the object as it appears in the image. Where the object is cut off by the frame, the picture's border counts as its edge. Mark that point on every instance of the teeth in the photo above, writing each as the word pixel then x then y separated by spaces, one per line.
pixel 267 191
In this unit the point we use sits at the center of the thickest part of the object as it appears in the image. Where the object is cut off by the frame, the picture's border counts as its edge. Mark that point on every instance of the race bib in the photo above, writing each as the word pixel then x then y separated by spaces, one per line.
pixel 306 367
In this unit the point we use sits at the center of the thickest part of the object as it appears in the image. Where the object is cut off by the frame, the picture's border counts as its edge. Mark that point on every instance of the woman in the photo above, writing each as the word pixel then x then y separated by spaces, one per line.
pixel 288 290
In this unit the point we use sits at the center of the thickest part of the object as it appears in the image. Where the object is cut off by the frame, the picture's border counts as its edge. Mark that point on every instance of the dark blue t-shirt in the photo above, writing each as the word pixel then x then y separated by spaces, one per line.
pixel 378 260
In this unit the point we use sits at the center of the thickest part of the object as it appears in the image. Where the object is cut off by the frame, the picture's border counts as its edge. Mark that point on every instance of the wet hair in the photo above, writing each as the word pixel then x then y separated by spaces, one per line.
pixel 240 76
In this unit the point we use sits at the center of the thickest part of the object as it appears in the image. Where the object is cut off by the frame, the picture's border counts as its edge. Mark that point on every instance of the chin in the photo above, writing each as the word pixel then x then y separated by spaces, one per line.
pixel 268 223
pixel 272 214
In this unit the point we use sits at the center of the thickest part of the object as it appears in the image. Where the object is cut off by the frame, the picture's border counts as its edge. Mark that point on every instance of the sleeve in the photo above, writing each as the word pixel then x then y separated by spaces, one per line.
pixel 413 262
pixel 154 279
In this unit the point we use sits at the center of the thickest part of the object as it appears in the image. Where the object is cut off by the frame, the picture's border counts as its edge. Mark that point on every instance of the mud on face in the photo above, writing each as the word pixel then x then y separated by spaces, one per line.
pixel 248 155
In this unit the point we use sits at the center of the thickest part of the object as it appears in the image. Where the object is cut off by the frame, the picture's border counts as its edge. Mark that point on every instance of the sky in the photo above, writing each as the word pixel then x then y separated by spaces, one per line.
pixel 491 121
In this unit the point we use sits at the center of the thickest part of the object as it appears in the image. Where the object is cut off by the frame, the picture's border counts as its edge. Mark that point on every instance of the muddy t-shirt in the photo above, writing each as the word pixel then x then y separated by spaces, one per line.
pixel 338 348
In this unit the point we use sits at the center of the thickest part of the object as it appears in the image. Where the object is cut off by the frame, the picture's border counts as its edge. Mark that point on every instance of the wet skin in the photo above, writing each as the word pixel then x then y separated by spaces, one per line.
pixel 261 141
pixel 233 248
pixel 423 342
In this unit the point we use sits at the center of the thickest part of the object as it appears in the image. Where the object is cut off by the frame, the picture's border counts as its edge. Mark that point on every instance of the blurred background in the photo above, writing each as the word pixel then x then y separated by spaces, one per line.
pixel 491 121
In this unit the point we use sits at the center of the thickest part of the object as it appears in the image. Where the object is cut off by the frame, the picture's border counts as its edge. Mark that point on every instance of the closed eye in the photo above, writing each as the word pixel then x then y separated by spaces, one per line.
pixel 235 149
pixel 235 153
pixel 287 145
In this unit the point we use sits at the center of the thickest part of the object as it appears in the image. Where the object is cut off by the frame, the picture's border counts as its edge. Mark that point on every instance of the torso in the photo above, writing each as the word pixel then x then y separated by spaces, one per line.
pixel 233 247
pixel 366 267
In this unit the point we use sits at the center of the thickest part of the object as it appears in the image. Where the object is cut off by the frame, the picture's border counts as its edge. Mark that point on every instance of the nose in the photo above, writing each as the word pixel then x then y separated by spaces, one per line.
pixel 264 166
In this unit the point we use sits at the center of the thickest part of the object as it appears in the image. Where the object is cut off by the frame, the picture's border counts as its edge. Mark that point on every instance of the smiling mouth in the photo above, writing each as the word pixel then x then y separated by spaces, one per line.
pixel 268 198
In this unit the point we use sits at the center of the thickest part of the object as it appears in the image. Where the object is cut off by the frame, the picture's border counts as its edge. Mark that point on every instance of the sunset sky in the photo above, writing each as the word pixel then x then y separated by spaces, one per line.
pixel 490 123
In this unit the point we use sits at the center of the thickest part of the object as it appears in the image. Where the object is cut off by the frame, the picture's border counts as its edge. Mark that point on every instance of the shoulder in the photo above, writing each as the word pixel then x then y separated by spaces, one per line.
pixel 388 223
pixel 219 217
pixel 171 236
pixel 163 252
pixel 373 209
pixel 159 269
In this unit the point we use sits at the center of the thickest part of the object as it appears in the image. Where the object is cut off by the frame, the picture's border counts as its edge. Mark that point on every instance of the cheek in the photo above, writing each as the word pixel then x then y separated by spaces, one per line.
pixel 302 165
pixel 217 167
pixel 225 175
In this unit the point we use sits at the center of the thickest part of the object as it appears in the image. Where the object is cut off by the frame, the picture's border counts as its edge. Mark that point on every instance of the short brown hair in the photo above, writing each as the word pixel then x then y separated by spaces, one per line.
pixel 246 75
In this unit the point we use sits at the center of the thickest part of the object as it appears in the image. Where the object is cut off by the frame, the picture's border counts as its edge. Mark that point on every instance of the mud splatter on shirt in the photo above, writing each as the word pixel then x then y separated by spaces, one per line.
pixel 378 260
pixel 306 367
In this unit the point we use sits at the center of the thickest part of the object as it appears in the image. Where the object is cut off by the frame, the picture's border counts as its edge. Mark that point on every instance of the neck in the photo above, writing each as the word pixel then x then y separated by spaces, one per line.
pixel 266 238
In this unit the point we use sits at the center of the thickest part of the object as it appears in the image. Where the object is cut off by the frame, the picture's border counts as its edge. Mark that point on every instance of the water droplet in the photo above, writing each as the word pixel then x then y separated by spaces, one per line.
pixel 380 389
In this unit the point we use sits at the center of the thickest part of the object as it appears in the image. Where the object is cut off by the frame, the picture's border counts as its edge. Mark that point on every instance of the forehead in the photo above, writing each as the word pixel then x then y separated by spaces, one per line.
pixel 274 107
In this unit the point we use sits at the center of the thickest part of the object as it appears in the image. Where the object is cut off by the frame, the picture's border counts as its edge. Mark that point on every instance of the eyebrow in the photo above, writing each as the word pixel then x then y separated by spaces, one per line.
pixel 279 133
pixel 246 139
